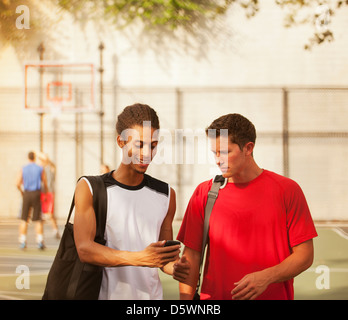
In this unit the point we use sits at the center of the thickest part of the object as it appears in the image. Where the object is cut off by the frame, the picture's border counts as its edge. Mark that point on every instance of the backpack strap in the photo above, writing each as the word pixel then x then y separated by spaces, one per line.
pixel 99 205
pixel 100 208
pixel 218 182
pixel 71 209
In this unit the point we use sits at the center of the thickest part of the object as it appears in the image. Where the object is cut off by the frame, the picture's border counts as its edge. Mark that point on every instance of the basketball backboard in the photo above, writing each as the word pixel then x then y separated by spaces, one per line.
pixel 51 87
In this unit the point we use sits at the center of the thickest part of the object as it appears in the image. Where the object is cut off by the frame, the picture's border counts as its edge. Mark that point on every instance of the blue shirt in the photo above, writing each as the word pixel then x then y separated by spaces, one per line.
pixel 31 174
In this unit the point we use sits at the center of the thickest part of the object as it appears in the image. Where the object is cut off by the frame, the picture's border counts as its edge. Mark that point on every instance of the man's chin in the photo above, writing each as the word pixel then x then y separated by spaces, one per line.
pixel 141 168
pixel 224 171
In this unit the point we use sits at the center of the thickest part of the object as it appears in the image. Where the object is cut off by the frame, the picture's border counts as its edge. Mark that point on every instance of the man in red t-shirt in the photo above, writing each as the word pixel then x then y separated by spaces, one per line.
pixel 261 230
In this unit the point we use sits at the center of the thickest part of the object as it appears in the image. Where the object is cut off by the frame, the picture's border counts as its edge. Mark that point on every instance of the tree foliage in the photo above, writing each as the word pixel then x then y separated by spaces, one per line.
pixel 318 13
pixel 166 15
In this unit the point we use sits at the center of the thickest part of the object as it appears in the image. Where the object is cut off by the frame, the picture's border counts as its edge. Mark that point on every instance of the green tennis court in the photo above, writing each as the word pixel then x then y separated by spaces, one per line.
pixel 327 278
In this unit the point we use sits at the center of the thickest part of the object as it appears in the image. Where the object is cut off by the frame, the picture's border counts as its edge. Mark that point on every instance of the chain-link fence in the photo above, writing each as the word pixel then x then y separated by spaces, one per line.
pixel 302 133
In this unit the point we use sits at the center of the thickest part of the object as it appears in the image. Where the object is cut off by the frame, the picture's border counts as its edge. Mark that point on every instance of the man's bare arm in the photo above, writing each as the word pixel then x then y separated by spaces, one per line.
pixel 19 182
pixel 180 268
pixel 166 232
pixel 44 180
pixel 187 289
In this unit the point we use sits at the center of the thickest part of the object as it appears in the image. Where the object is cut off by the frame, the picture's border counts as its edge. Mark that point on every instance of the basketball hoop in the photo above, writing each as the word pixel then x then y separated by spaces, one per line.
pixel 56 87
pixel 59 91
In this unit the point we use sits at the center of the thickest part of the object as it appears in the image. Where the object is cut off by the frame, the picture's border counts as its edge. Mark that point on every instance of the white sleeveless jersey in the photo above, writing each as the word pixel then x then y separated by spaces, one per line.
pixel 134 219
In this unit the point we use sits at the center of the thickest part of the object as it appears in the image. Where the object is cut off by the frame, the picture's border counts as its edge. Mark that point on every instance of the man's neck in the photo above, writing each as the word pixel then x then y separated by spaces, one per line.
pixel 250 172
pixel 125 174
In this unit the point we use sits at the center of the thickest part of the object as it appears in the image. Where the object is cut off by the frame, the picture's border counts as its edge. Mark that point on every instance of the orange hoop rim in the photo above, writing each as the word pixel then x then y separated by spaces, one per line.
pixel 58 84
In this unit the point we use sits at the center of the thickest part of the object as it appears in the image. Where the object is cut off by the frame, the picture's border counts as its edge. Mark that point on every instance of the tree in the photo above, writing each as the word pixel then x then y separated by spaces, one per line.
pixel 162 15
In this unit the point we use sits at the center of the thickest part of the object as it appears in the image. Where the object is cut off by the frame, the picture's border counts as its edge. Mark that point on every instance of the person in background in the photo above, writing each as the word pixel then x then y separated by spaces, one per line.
pixel 47 198
pixel 104 168
pixel 29 182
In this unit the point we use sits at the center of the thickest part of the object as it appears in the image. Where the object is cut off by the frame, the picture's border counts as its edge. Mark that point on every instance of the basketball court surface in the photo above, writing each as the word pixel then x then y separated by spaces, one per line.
pixel 23 273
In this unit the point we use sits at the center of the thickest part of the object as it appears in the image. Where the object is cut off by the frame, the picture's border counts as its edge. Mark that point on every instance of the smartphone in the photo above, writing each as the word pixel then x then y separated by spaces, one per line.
pixel 171 243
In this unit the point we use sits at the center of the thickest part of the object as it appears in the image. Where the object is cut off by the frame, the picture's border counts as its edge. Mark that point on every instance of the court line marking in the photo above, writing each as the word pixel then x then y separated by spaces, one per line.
pixel 10 294
pixel 337 270
pixel 6 297
pixel 32 273
pixel 340 232
pixel 33 257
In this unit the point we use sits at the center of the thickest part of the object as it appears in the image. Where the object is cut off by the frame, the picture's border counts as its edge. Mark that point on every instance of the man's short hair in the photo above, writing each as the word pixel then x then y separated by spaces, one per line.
pixel 134 115
pixel 240 129
pixel 31 155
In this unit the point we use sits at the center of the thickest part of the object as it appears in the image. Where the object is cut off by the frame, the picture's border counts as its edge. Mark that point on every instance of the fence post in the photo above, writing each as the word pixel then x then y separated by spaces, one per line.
pixel 179 125
pixel 285 133
pixel 41 50
pixel 101 113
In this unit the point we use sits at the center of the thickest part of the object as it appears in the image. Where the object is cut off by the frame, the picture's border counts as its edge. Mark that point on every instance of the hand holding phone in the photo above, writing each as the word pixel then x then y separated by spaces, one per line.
pixel 170 243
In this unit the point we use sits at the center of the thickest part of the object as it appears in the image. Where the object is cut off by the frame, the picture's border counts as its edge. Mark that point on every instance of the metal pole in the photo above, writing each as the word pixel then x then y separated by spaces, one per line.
pixel 77 157
pixel 101 113
pixel 285 132
pixel 115 86
pixel 77 138
pixel 179 125
pixel 41 50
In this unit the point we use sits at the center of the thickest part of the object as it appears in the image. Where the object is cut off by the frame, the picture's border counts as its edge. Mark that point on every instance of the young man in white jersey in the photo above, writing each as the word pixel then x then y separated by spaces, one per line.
pixel 139 217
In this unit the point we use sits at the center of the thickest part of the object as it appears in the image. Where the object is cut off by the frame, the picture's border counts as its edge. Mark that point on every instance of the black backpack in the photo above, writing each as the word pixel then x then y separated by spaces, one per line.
pixel 69 278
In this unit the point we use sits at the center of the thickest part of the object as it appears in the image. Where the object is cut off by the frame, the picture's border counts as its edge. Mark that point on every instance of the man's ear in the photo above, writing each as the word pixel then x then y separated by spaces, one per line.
pixel 121 143
pixel 249 148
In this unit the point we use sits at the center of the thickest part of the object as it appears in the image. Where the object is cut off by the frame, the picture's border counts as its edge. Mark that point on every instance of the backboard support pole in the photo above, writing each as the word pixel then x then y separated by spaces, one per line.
pixel 101 113
pixel 41 50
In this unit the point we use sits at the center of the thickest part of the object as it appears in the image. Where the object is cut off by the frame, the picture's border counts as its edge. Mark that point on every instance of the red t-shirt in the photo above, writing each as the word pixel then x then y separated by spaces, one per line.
pixel 253 226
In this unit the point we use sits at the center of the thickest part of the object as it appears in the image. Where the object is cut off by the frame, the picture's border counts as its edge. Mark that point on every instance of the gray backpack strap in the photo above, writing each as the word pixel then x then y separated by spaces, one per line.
pixel 212 196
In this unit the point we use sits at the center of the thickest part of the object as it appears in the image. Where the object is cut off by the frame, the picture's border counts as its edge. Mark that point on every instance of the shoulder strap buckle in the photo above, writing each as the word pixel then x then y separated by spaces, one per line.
pixel 213 194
